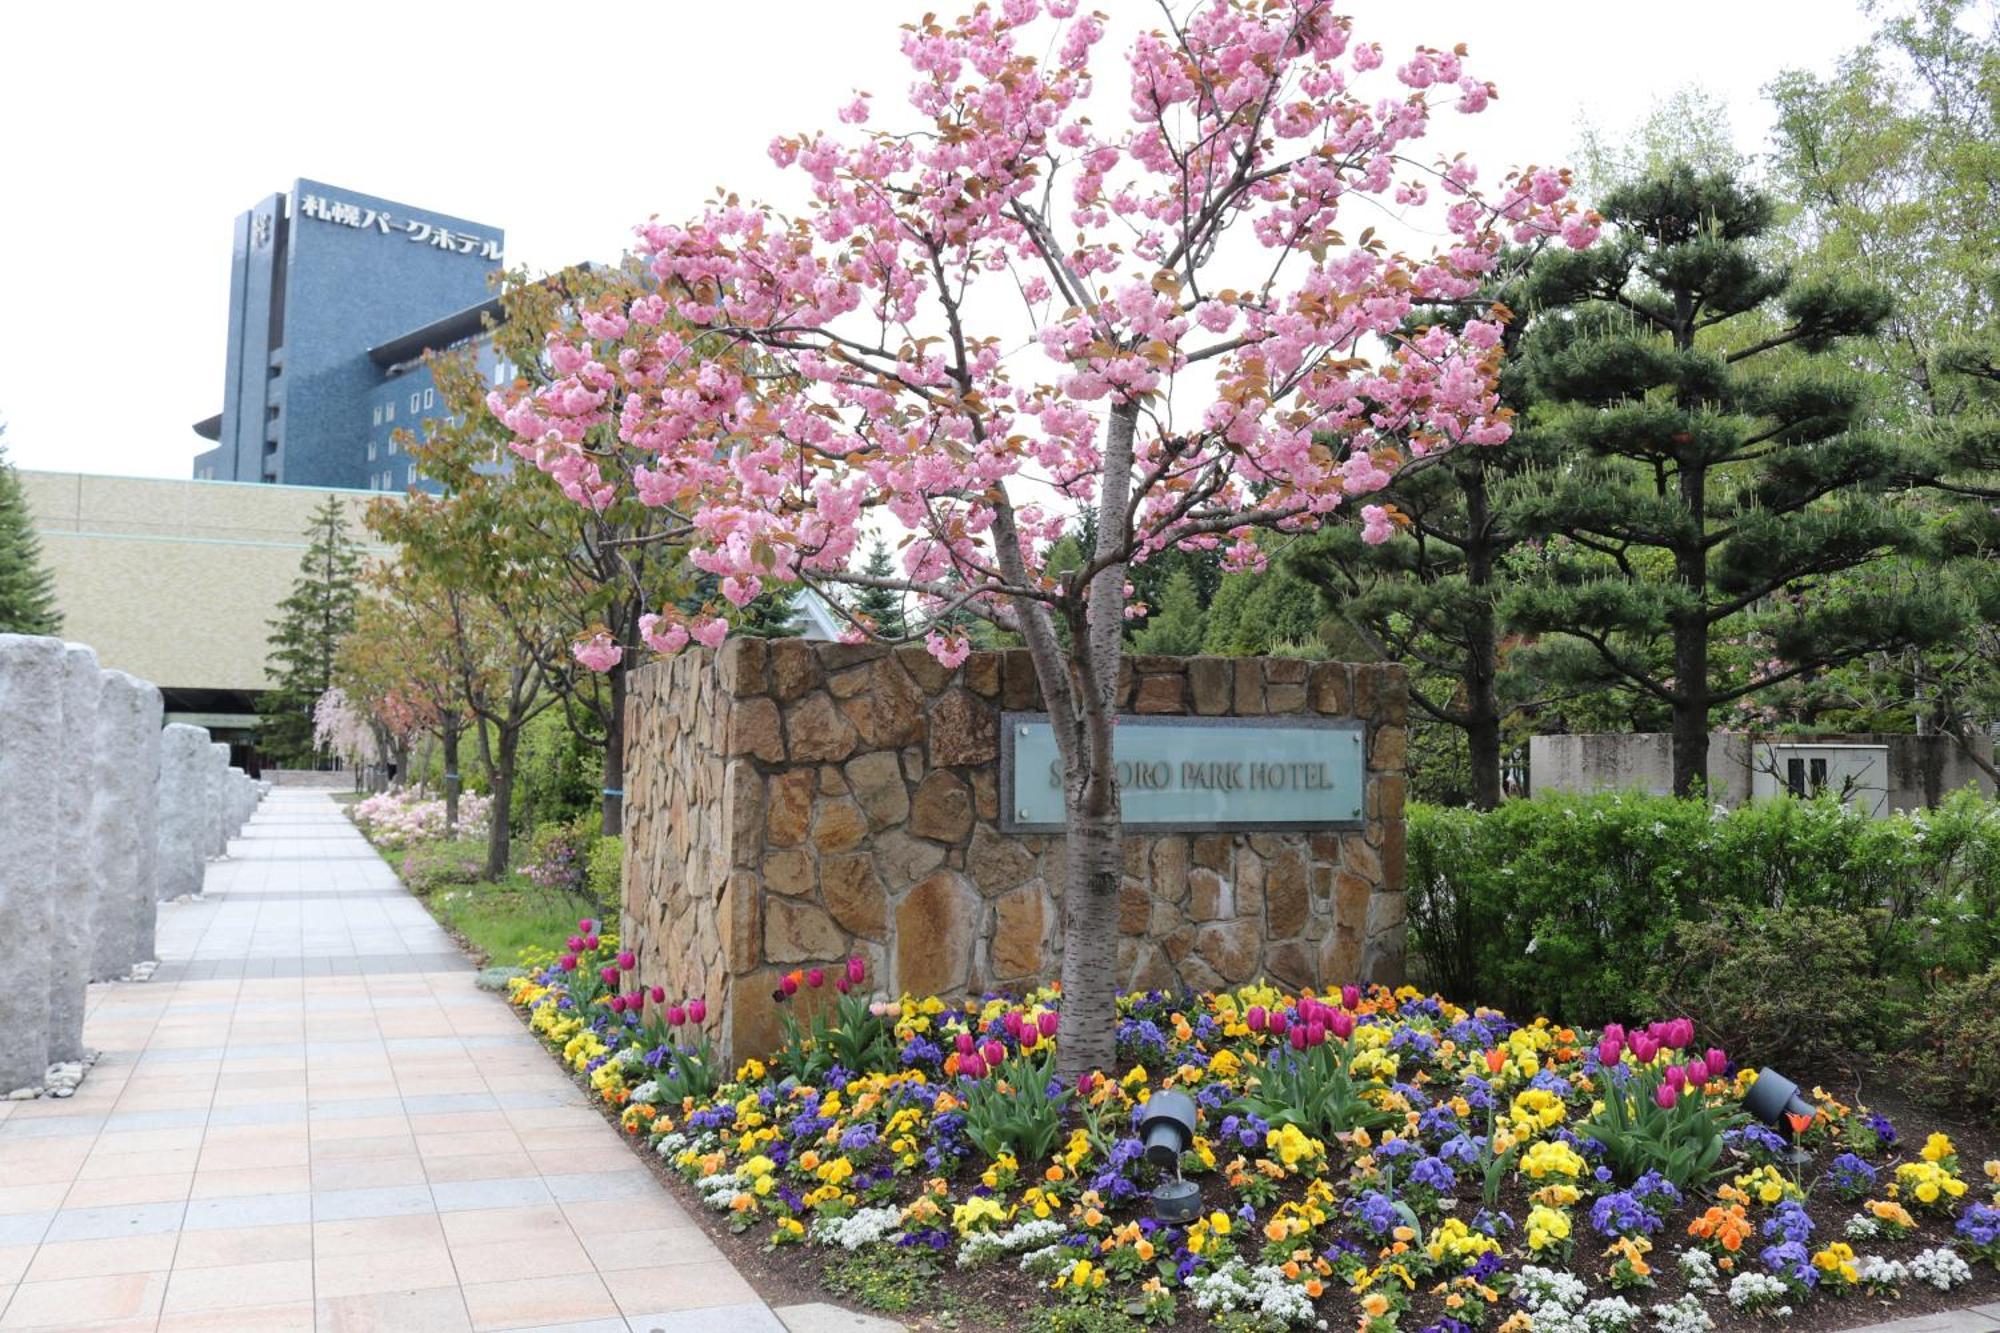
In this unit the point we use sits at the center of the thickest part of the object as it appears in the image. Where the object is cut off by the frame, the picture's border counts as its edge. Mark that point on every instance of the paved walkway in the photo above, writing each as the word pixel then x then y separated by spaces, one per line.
pixel 310 1119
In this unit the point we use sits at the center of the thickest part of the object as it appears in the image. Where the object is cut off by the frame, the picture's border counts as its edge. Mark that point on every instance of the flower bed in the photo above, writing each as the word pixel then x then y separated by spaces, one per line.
pixel 403 815
pixel 1372 1159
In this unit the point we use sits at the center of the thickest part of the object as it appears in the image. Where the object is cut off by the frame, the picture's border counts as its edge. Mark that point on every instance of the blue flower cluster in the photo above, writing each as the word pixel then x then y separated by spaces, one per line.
pixel 1850 1177
pixel 1790 1258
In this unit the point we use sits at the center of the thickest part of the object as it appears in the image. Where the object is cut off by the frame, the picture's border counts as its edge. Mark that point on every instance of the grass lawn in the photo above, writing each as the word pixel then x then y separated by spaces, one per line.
pixel 499 919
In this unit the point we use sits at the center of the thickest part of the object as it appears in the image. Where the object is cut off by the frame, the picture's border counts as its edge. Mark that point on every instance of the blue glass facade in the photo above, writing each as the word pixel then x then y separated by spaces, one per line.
pixel 333 297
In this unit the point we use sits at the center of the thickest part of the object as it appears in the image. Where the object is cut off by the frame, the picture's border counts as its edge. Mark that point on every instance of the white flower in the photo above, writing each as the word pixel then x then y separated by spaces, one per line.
pixel 859 1229
pixel 1684 1315
pixel 1881 1274
pixel 1940 1267
pixel 1264 1290
pixel 1698 1266
pixel 1760 1292
pixel 1033 1234
pixel 1862 1226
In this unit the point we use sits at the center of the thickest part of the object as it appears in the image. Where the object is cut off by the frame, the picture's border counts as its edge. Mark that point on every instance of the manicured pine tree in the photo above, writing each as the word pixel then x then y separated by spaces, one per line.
pixel 1175 626
pixel 305 638
pixel 27 590
pixel 1722 463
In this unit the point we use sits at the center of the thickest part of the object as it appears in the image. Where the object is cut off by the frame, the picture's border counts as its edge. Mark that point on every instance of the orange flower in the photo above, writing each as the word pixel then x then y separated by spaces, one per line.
pixel 1496 1060
pixel 1374 1305
pixel 1315 1288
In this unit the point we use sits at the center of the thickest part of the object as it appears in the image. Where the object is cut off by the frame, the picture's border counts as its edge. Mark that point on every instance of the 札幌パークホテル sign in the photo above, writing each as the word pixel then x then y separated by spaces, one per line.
pixel 1197 774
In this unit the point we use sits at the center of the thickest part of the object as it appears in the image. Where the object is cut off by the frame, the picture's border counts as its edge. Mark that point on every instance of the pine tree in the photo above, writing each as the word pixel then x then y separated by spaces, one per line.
pixel 27 591
pixel 882 606
pixel 1175 626
pixel 1723 465
pixel 305 638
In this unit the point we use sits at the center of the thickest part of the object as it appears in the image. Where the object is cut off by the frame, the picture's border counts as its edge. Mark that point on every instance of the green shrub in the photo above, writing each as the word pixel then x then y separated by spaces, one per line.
pixel 604 878
pixel 430 866
pixel 1787 986
pixel 559 854
pixel 557 774
pixel 1955 1048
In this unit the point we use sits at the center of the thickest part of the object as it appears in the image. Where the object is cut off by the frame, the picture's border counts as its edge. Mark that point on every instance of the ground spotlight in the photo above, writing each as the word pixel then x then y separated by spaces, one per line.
pixel 1166 1127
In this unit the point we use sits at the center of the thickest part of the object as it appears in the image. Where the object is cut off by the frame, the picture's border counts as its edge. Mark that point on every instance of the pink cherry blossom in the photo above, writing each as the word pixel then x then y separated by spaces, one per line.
pixel 598 652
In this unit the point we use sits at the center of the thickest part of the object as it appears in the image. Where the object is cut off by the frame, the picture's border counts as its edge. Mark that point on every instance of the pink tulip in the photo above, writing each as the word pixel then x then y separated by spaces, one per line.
pixel 993 1052
pixel 1298 1037
pixel 1665 1096
pixel 618 1004
pixel 857 968
pixel 591 941
pixel 575 943
pixel 697 1010
pixel 659 995
pixel 840 984
pixel 972 1067
pixel 568 962
pixel 789 984
pixel 1278 1023
pixel 1644 1047
pixel 1341 1024
pixel 1350 997
pixel 1614 1032
pixel 1084 1084
pixel 1028 1038
pixel 1315 1033
pixel 1046 1022
pixel 816 978
pixel 1609 1048
pixel 1718 1063
pixel 1254 1019
pixel 588 926
pixel 1677 1078
pixel 627 960
pixel 1680 1034
pixel 636 1001
pixel 610 975
pixel 1011 1021
pixel 1697 1071
pixel 676 1016
pixel 964 1043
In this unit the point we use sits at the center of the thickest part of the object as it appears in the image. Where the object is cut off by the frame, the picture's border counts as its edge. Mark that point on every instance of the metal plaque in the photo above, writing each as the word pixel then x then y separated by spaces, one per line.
pixel 1197 774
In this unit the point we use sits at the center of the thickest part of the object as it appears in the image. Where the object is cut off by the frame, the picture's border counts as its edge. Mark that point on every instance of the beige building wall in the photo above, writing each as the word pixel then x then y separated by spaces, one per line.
pixel 175 581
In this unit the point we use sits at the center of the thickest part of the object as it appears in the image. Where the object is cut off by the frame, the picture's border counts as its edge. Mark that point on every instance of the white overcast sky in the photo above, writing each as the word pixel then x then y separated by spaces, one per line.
pixel 131 136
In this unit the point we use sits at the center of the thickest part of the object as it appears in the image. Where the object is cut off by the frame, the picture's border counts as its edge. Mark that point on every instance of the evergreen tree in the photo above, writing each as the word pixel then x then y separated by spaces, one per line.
pixel 882 606
pixel 1175 626
pixel 1257 612
pixel 1724 468
pixel 305 639
pixel 27 591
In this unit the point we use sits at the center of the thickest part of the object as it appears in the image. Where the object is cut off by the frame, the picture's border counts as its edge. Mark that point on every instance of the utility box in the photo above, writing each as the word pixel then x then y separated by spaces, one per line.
pixel 1856 774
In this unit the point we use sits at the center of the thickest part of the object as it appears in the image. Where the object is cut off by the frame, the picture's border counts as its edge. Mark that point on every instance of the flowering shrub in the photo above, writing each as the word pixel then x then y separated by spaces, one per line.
pixel 1463 1186
pixel 403 815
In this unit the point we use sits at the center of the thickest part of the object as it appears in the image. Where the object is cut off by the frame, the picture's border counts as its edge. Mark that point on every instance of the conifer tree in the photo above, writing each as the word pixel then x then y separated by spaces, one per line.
pixel 27 591
pixel 882 605
pixel 1175 627
pixel 1723 465
pixel 305 638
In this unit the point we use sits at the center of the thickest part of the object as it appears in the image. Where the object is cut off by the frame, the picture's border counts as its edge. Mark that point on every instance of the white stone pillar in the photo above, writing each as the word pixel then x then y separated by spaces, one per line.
pixel 124 811
pixel 183 829
pixel 73 893
pixel 218 799
pixel 237 782
pixel 30 762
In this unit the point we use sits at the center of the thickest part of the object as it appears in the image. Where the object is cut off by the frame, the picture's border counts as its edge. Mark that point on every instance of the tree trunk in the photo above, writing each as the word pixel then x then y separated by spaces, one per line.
pixel 448 737
pixel 1093 870
pixel 1482 650
pixel 614 756
pixel 498 829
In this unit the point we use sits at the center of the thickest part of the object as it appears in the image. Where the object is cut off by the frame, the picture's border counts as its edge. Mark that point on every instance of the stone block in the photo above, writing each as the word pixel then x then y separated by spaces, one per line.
pixel 1210 680
pixel 935 923
pixel 853 894
pixel 71 886
pixel 788 808
pixel 941 808
pixel 218 797
pixel 963 730
pixel 794 668
pixel 876 779
pixel 183 783
pixel 817 732
pixel 1165 695
pixel 754 729
pixel 124 811
pixel 1020 924
pixel 838 827
pixel 31 765
pixel 996 861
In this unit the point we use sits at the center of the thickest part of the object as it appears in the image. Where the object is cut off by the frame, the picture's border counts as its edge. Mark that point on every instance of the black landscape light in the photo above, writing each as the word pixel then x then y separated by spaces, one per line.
pixel 1774 1099
pixel 1167 1129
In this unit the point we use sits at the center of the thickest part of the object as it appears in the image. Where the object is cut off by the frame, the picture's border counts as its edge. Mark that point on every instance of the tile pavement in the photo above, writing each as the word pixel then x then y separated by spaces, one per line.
pixel 311 1121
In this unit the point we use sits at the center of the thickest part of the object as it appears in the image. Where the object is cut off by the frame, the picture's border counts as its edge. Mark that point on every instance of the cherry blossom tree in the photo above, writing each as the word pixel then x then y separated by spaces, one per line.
pixel 1002 314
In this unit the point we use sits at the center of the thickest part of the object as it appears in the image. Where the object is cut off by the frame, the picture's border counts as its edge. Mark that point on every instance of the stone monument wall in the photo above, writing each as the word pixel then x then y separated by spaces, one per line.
pixel 791 803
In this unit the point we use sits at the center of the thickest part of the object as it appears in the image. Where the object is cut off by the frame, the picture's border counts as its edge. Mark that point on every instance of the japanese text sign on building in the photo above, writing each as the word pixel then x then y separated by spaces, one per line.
pixel 363 218
pixel 1196 774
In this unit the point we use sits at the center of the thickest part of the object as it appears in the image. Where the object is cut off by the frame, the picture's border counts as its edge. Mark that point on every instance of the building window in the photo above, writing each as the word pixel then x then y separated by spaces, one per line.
pixel 378 414
pixel 389 410
pixel 392 444
pixel 413 403
pixel 430 397
pixel 371 451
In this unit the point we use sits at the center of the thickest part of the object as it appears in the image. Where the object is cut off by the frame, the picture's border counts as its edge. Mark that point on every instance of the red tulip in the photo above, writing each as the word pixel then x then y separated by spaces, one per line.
pixel 1350 997
pixel 1680 1034
pixel 1496 1060
pixel 1046 1021
pixel 816 978
pixel 1609 1048
pixel 1614 1032
pixel 697 1010
pixel 1254 1019
pixel 676 1016
pixel 1341 1024
pixel 993 1052
pixel 636 1001
pixel 1665 1096
pixel 1011 1021
pixel 964 1043
pixel 627 960
pixel 1644 1047
pixel 857 968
